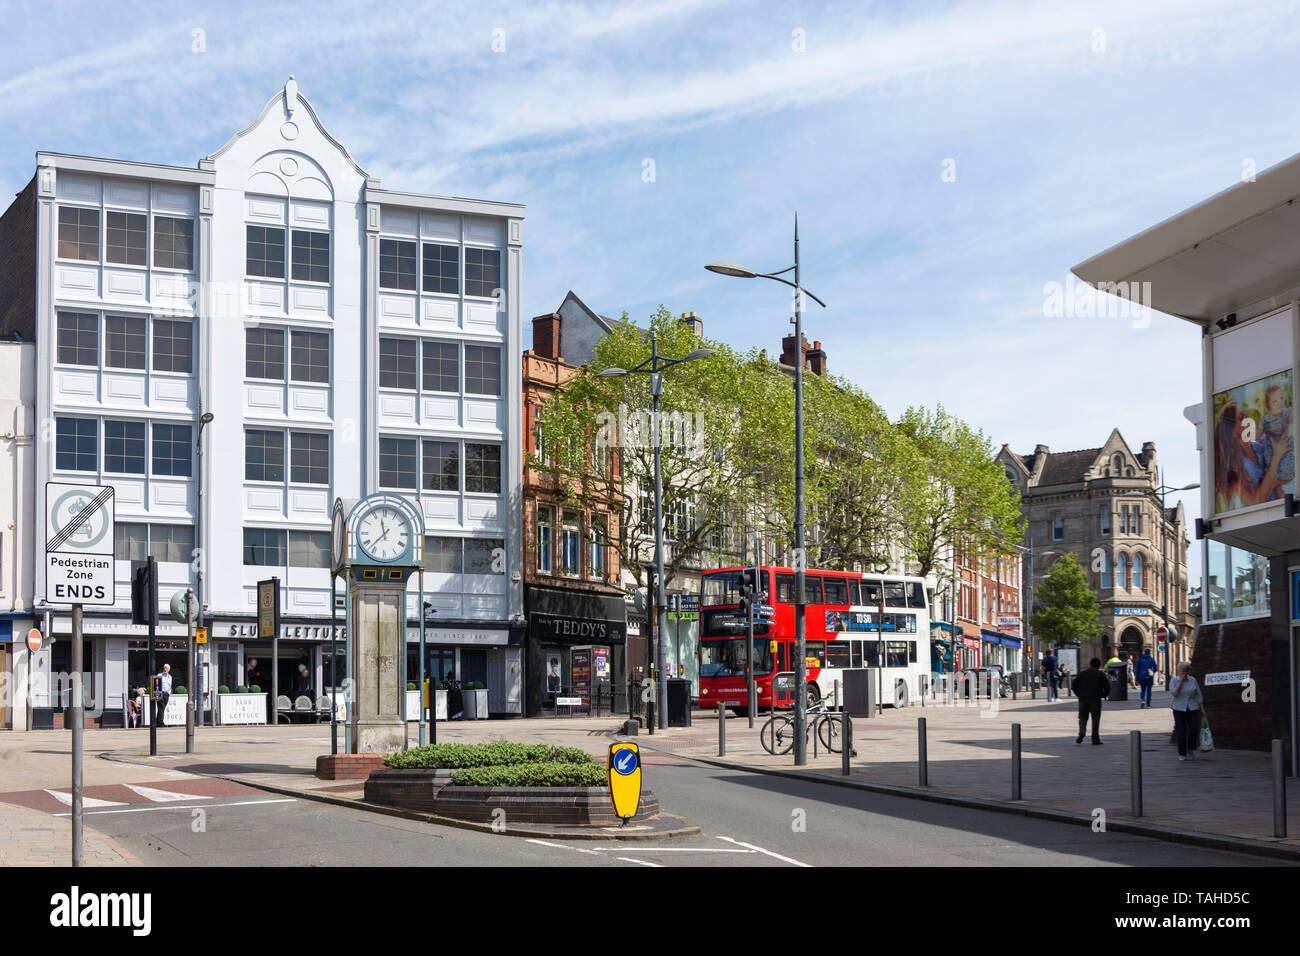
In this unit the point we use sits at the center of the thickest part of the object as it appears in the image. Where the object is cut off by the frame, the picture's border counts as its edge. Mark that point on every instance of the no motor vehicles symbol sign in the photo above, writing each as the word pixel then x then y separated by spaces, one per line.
pixel 79 544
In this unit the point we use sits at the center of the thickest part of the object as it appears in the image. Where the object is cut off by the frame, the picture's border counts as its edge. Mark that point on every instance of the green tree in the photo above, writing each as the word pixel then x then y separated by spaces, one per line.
pixel 1067 609
pixel 960 495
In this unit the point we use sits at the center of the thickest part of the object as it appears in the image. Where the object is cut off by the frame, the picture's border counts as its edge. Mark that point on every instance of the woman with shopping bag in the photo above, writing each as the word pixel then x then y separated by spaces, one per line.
pixel 1187 703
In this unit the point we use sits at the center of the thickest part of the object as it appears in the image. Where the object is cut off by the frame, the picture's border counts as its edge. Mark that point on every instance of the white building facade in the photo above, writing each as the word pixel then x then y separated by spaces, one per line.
pixel 344 338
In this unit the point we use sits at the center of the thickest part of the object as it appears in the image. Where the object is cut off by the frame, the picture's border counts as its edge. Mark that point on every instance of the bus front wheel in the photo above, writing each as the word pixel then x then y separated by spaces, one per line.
pixel 814 695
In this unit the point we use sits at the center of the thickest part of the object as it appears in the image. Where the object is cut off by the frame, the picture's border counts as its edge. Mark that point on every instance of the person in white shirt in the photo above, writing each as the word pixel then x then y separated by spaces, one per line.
pixel 164 692
pixel 1187 703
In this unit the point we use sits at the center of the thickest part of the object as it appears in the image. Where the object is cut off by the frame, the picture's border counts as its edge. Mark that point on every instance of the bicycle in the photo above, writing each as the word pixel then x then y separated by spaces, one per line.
pixel 777 733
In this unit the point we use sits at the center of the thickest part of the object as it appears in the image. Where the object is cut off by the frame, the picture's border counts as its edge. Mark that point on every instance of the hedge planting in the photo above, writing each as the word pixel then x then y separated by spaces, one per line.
pixel 553 774
pixel 497 754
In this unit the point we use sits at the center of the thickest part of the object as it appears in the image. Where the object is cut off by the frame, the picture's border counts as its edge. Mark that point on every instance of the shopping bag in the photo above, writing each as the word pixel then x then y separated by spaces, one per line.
pixel 1207 740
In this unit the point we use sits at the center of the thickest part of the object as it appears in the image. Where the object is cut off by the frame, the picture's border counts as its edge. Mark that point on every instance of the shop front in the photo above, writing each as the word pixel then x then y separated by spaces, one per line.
pixel 575 651
pixel 458 659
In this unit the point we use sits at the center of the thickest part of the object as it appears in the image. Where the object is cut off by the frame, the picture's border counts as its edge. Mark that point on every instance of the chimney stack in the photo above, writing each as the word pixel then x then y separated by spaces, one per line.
pixel 814 358
pixel 546 336
pixel 694 323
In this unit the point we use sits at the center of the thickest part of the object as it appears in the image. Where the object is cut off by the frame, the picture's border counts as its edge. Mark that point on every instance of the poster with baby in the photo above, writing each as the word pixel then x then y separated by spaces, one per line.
pixel 1254 443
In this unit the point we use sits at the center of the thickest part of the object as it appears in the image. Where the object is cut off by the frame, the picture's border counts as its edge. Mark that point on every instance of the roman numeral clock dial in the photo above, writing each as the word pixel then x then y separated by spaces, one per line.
pixel 383 534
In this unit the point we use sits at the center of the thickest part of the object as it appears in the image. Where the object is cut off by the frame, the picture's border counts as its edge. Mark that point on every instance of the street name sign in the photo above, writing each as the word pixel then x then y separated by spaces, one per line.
pixel 79 534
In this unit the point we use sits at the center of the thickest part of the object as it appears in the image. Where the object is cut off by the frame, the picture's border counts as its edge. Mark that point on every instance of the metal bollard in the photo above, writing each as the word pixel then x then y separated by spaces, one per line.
pixel 846 741
pixel 922 755
pixel 722 727
pixel 1015 761
pixel 1279 791
pixel 1135 771
pixel 650 717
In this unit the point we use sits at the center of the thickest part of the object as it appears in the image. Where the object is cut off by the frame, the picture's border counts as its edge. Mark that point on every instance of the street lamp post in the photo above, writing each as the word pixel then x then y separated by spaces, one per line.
pixel 655 366
pixel 800 558
pixel 204 420
pixel 1163 490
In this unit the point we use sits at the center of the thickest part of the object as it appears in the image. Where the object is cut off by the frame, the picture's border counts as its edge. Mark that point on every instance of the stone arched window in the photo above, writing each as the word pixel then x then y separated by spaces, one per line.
pixel 1137 572
pixel 1117 465
pixel 1121 571
pixel 1105 570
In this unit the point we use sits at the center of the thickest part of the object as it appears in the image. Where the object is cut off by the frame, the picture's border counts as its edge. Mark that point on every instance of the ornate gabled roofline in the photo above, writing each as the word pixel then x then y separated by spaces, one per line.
pixel 306 104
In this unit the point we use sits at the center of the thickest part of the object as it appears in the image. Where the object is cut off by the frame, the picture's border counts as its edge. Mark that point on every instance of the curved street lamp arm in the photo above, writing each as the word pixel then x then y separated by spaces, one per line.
pixel 777 278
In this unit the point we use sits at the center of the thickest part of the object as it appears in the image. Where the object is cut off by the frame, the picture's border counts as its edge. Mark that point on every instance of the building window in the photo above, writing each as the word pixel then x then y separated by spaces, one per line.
pixel 482 272
pixel 173 346
pixel 1137 572
pixel 171 542
pixel 124 447
pixel 126 238
pixel 397 463
pixel 397 264
pixel 484 556
pixel 263 455
pixel 441 465
pixel 544 532
pixel 309 549
pixel 443 555
pixel 265 252
pixel 79 233
pixel 397 363
pixel 76 444
pixel 599 536
pixel 441 366
pixel 311 256
pixel 1058 526
pixel 309 357
pixel 78 339
pixel 309 458
pixel 124 342
pixel 1105 570
pixel 264 353
pixel 572 552
pixel 173 243
pixel 130 541
pixel 482 370
pixel 483 468
pixel 172 450
pixel 441 268
pixel 264 547
pixel 1105 519
pixel 1121 571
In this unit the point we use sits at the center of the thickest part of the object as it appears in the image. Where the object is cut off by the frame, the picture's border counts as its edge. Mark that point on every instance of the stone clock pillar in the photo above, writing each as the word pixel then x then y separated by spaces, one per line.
pixel 375 723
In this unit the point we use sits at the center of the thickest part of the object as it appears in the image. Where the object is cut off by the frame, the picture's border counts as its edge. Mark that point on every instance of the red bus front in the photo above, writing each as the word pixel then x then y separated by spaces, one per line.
pixel 723 654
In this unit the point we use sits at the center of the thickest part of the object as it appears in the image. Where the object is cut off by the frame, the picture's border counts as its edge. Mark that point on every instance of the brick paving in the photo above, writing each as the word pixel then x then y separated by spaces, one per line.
pixel 31 837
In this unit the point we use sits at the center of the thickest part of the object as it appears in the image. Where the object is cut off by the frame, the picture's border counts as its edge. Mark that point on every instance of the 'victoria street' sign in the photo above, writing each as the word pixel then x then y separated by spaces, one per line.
pixel 79 544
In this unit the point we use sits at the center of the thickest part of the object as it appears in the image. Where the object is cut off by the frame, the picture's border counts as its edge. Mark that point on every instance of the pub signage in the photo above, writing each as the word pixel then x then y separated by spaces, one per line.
pixel 577 629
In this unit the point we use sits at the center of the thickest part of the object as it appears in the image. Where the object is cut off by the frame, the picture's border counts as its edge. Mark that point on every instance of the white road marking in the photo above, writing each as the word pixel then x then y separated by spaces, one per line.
pixel 690 849
pixel 173 806
pixel 562 846
pixel 628 859
pixel 161 796
pixel 768 852
pixel 66 799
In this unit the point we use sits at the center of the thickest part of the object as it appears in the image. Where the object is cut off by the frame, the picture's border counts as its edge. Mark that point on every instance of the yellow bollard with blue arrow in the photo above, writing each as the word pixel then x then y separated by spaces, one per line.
pixel 624 771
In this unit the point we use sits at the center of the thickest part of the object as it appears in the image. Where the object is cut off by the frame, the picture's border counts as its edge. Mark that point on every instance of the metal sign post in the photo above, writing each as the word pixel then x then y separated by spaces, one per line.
pixel 268 625
pixel 79 569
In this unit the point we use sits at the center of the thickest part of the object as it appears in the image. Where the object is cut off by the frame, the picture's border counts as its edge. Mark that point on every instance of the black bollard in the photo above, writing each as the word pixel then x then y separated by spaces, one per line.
pixel 923 759
pixel 1279 791
pixel 1135 771
pixel 1015 761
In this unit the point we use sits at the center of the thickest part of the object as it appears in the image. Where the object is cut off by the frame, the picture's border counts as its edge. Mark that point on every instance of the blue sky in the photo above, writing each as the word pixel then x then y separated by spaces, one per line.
pixel 1069 126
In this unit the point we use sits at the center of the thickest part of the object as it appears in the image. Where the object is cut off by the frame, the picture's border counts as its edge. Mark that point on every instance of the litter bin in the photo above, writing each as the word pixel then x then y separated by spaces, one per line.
pixel 679 702
pixel 1118 674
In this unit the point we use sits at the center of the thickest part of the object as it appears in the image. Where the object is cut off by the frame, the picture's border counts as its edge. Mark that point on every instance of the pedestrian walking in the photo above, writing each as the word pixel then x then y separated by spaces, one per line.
pixel 1188 704
pixel 1091 687
pixel 1052 674
pixel 1146 675
pixel 164 692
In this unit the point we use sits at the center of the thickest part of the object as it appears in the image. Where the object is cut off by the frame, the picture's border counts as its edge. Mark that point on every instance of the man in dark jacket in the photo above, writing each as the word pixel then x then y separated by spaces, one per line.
pixel 1091 687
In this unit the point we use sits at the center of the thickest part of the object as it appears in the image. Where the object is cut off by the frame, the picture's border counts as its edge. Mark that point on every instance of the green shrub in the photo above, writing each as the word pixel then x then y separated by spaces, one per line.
pixel 410 685
pixel 497 754
pixel 241 689
pixel 556 774
pixel 180 689
pixel 223 689
pixel 254 689
pixel 441 686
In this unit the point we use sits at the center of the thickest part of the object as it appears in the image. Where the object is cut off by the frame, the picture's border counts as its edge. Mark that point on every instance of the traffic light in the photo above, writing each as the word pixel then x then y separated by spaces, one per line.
pixel 144 592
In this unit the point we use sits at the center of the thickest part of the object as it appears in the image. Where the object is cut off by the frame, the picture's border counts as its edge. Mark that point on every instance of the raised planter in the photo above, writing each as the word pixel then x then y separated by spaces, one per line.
pixel 475 704
pixel 240 708
pixel 431 791
pixel 348 766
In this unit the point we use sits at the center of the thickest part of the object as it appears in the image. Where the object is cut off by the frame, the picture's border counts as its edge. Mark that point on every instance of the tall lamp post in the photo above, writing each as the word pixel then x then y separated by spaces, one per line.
pixel 204 420
pixel 1028 610
pixel 655 366
pixel 1163 490
pixel 800 559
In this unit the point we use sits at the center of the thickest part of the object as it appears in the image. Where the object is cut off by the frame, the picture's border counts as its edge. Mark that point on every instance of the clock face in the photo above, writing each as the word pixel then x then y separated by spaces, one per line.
pixel 383 534
pixel 337 540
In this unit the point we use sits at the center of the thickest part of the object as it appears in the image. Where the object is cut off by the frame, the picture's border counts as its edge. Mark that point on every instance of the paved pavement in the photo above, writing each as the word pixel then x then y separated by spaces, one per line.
pixel 1227 793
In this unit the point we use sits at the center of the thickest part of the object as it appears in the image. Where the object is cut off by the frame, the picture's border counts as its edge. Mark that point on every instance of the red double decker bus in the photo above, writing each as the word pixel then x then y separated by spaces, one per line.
pixel 851 620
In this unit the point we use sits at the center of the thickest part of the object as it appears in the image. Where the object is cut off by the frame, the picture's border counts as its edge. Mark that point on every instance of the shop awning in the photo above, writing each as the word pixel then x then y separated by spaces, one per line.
pixel 1238 251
